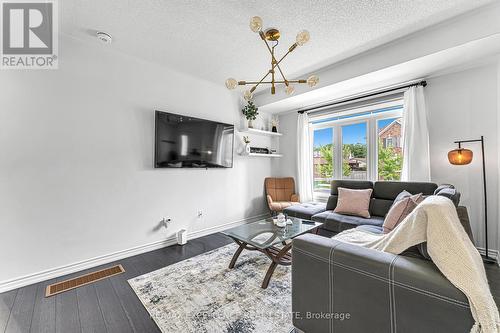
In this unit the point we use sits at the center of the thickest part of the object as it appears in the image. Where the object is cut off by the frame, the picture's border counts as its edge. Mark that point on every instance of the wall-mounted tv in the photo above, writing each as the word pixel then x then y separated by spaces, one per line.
pixel 188 142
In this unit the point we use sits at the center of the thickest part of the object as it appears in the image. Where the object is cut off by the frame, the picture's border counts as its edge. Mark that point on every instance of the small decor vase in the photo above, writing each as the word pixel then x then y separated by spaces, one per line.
pixel 275 130
pixel 250 124
pixel 281 220
pixel 247 149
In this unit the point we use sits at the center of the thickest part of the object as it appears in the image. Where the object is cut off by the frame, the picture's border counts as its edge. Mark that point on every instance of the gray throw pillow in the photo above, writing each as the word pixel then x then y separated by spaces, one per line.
pixel 443 186
pixel 450 193
pixel 422 247
pixel 402 195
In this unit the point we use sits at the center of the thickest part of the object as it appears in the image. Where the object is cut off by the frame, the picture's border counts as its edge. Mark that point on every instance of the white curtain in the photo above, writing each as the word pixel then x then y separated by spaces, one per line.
pixel 415 132
pixel 304 159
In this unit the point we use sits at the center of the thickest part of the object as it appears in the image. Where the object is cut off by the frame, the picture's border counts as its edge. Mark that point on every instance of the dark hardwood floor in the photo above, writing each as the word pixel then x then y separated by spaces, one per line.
pixel 110 305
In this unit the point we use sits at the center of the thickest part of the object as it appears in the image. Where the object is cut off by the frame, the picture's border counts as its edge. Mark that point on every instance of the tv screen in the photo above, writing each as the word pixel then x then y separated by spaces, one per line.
pixel 188 142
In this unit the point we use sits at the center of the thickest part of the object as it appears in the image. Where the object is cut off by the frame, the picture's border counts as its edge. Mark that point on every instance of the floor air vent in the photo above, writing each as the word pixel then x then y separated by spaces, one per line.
pixel 63 286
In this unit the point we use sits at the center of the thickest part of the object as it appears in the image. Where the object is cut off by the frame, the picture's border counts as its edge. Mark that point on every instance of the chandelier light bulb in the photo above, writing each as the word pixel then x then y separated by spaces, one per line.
pixel 312 80
pixel 256 24
pixel 231 83
pixel 247 95
pixel 303 37
pixel 289 90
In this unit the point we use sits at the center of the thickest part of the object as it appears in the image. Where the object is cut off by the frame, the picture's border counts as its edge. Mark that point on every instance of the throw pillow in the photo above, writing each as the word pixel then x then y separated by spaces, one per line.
pixel 353 202
pixel 399 210
pixel 450 193
pixel 402 195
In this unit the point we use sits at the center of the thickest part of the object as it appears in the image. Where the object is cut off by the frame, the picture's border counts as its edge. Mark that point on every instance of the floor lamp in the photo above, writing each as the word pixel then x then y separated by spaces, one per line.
pixel 462 156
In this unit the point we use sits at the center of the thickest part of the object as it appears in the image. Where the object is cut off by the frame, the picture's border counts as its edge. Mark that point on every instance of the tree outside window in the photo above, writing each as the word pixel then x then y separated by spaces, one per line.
pixel 390 152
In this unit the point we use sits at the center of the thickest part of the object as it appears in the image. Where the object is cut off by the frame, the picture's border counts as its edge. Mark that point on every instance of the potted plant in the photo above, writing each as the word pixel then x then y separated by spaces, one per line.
pixel 250 111
pixel 246 140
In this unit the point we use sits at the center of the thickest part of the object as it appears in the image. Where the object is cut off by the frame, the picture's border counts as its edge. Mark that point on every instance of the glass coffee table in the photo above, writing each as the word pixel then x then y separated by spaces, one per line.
pixel 264 236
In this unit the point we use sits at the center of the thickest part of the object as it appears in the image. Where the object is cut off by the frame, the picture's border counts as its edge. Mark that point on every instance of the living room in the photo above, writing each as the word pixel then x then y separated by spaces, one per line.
pixel 87 185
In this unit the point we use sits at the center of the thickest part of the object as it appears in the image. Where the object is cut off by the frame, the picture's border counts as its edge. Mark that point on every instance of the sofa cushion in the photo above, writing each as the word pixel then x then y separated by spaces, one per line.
pixel 354 202
pixel 385 192
pixel 305 210
pixel 374 229
pixel 380 207
pixel 389 190
pixel 338 222
pixel 352 184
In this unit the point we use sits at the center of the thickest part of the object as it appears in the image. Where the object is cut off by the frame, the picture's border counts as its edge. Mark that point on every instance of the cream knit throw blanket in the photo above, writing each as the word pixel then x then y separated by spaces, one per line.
pixel 436 221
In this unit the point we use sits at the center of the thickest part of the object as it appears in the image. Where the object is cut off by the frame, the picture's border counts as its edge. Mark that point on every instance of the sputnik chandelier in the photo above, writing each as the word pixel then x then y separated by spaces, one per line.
pixel 272 35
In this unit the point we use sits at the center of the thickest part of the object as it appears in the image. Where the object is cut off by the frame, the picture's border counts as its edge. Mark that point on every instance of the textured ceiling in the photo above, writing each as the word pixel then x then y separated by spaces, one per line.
pixel 211 39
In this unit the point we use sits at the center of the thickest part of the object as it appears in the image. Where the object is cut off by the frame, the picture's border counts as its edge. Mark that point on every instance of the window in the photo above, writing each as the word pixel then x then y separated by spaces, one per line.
pixel 390 152
pixel 354 151
pixel 323 159
pixel 362 144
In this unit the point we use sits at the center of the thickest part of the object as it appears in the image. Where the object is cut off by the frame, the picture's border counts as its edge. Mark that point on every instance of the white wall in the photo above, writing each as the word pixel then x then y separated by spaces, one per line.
pixel 498 145
pixel 76 176
pixel 286 166
pixel 462 105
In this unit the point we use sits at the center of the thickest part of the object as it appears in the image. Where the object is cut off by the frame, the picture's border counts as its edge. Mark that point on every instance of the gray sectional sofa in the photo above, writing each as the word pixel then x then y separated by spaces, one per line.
pixel 340 287
pixel 384 193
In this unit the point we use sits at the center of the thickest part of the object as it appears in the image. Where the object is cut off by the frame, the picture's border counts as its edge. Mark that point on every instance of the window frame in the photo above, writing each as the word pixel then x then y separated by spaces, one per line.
pixel 366 116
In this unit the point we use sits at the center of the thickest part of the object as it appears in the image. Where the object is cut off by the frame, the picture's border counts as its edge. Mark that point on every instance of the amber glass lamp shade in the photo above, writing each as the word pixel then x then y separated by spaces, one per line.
pixel 460 156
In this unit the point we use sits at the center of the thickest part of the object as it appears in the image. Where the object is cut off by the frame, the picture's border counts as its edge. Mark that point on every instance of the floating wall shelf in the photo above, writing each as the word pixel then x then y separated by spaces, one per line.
pixel 264 155
pixel 260 132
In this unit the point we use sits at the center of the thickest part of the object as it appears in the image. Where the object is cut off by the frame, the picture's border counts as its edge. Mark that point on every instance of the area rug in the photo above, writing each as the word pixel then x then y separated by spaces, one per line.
pixel 202 294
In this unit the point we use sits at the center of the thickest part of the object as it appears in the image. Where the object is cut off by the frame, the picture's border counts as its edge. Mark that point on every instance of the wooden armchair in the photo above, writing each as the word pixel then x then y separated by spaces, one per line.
pixel 280 193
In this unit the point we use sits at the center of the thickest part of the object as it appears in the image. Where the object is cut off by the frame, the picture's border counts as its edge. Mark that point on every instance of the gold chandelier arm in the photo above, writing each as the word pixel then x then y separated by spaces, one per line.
pixel 273 87
pixel 274 61
pixel 290 50
pixel 270 82
pixel 257 83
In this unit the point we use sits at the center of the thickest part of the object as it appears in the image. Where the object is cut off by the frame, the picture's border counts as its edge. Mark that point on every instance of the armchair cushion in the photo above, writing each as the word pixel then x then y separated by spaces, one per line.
pixel 278 206
pixel 280 193
pixel 280 189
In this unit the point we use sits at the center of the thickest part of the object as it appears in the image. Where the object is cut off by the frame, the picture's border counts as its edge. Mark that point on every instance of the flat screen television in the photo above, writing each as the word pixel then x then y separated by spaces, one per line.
pixel 188 142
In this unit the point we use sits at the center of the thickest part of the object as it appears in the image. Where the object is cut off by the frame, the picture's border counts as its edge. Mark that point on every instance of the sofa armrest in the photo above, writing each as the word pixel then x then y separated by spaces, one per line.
pixel 463 216
pixel 295 198
pixel 347 288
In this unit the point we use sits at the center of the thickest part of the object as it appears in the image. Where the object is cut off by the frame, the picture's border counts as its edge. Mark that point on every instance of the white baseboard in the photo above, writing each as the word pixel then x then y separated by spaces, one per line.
pixel 107 258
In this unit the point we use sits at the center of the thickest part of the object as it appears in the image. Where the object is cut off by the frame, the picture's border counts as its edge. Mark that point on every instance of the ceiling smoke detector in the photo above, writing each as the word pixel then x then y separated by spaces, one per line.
pixel 104 37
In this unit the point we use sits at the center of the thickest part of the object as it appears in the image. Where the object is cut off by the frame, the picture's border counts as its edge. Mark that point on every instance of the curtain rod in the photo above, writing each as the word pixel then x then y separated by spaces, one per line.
pixel 420 83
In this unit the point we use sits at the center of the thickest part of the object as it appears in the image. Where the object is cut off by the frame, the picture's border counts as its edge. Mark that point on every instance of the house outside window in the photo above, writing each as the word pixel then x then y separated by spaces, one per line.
pixel 360 144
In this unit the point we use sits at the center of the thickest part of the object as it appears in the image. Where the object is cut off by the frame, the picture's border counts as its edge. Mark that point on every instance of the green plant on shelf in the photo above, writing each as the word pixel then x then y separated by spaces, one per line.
pixel 250 111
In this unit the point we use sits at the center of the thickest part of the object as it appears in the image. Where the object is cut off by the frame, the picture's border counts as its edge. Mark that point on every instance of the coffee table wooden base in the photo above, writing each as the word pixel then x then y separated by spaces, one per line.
pixel 278 257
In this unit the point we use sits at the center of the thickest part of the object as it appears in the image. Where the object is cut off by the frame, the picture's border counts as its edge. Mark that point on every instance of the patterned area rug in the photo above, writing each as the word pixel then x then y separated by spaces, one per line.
pixel 201 294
